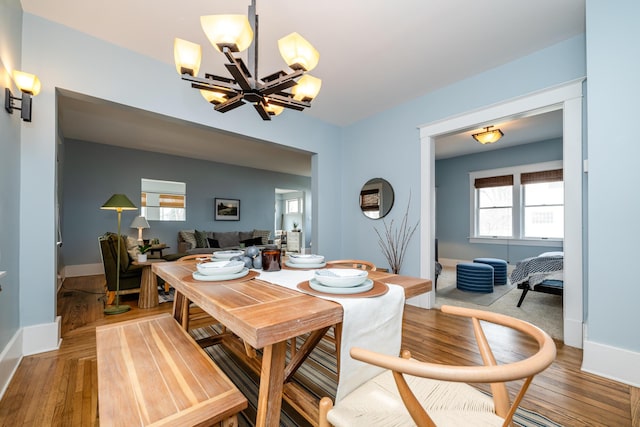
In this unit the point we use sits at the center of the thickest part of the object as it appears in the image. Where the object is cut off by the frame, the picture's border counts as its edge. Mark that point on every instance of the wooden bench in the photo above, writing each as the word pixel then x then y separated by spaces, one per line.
pixel 151 372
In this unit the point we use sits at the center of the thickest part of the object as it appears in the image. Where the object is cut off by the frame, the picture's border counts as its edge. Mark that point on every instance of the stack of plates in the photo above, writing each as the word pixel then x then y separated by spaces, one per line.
pixel 305 261
pixel 341 281
pixel 220 270
pixel 227 254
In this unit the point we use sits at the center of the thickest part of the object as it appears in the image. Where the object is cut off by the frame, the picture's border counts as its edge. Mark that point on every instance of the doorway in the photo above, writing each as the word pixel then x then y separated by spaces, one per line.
pixel 567 98
pixel 289 218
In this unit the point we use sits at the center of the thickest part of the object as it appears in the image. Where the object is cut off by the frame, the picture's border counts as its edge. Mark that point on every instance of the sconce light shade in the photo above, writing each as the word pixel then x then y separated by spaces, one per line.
pixel 29 85
pixel 232 31
pixel 273 109
pixel 307 88
pixel 298 53
pixel 213 97
pixel 488 136
pixel 187 56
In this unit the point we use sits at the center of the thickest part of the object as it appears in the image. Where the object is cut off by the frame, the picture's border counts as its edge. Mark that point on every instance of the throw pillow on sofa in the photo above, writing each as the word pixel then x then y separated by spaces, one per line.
pixel 263 234
pixel 201 239
pixel 252 242
pixel 213 243
pixel 227 239
pixel 189 237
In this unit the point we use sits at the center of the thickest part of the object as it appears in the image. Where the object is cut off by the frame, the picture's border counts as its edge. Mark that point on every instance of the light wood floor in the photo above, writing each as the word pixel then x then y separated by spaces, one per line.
pixel 59 388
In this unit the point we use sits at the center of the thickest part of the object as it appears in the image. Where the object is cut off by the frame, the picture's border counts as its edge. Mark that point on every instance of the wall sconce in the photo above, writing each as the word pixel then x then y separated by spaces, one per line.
pixel 29 85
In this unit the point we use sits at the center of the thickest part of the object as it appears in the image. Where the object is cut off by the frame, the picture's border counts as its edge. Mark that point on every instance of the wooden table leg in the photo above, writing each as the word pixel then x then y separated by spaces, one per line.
pixel 148 289
pixel 271 383
pixel 181 309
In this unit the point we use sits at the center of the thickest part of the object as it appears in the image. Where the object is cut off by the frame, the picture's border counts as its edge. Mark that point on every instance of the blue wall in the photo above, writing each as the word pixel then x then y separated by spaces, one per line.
pixel 452 200
pixel 10 41
pixel 88 183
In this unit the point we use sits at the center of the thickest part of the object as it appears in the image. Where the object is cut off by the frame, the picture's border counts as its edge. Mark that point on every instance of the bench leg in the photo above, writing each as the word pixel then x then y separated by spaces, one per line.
pixel 524 294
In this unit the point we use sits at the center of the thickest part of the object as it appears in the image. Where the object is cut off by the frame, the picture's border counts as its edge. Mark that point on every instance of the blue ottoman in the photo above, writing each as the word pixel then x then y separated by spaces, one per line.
pixel 474 277
pixel 499 269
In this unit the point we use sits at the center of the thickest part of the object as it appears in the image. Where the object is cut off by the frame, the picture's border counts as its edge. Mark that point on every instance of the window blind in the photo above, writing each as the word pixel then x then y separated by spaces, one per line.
pixel 493 181
pixel 542 176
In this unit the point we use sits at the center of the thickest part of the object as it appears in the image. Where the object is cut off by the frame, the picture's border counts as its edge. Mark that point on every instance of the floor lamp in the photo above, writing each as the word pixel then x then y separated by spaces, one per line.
pixel 118 203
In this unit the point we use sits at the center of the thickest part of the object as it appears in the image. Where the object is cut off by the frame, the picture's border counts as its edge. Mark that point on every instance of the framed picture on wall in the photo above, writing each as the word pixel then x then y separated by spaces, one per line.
pixel 227 209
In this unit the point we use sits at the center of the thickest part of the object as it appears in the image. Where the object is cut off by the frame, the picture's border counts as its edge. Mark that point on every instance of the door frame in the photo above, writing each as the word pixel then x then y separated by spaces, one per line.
pixel 566 97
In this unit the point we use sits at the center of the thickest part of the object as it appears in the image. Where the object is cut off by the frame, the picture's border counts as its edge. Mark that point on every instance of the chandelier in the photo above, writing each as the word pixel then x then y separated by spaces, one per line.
pixel 488 136
pixel 269 95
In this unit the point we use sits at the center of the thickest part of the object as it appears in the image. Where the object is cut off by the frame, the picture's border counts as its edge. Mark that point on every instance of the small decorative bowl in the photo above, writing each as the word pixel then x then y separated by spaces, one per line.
pixel 220 267
pixel 306 259
pixel 340 277
pixel 227 254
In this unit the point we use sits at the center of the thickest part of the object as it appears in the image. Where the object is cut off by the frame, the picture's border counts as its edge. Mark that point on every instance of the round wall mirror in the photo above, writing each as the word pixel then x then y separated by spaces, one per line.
pixel 376 198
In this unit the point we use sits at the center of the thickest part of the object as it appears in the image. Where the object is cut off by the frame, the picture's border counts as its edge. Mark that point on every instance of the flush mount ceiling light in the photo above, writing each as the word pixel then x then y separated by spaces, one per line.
pixel 29 85
pixel 269 95
pixel 488 136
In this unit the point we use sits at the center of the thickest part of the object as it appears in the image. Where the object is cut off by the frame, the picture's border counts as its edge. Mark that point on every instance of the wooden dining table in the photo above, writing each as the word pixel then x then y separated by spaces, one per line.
pixel 266 316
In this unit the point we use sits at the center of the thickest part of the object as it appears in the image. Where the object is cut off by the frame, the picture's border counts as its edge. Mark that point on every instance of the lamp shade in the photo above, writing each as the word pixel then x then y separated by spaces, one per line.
pixel 187 56
pixel 139 222
pixel 273 109
pixel 298 53
pixel 307 88
pixel 488 136
pixel 213 97
pixel 119 202
pixel 232 31
pixel 27 83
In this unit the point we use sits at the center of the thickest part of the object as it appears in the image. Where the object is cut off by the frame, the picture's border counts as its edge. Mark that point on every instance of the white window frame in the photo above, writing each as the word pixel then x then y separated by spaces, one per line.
pixel 155 188
pixel 517 208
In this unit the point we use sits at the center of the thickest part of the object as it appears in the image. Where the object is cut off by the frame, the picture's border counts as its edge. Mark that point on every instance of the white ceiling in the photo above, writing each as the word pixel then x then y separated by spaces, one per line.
pixel 373 54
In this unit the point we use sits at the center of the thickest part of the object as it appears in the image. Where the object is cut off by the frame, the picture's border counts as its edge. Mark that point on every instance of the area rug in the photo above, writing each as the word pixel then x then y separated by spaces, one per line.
pixel 317 375
pixel 165 296
pixel 479 298
pixel 543 310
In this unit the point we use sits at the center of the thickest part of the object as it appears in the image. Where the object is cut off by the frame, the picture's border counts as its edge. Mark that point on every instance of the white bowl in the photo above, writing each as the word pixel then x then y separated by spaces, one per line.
pixel 306 259
pixel 220 267
pixel 340 277
pixel 227 254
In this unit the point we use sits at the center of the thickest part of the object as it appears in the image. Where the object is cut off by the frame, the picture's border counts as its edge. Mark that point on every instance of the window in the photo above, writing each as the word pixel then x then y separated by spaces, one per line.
pixel 293 206
pixel 163 200
pixel 543 204
pixel 524 202
pixel 494 197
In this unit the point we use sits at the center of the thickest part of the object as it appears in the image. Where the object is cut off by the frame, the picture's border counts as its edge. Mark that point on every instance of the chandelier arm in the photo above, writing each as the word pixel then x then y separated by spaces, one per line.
pixel 263 113
pixel 280 84
pixel 208 83
pixel 225 91
pixel 242 80
pixel 229 105
pixel 286 100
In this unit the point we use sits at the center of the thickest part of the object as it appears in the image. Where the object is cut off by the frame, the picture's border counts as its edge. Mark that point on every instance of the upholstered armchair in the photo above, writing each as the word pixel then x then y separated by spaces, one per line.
pixel 130 275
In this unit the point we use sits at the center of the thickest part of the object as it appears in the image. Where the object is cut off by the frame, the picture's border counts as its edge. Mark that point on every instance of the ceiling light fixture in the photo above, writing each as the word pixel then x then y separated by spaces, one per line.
pixel 234 33
pixel 488 136
pixel 29 85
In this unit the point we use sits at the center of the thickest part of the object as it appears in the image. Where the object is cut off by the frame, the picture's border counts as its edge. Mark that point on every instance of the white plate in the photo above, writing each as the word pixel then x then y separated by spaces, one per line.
pixel 217 268
pixel 227 254
pixel 298 265
pixel 306 259
pixel 365 286
pixel 220 277
pixel 340 277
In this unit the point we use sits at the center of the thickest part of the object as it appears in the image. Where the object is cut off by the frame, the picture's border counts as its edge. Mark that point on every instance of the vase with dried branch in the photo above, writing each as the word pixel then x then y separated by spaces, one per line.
pixel 395 240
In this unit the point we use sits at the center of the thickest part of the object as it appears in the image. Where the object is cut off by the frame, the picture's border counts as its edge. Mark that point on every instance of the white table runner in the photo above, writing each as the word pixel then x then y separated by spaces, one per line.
pixel 371 323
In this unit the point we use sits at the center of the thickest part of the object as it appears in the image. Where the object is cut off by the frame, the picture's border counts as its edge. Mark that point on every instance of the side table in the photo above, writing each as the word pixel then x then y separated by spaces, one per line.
pixel 148 284
pixel 158 248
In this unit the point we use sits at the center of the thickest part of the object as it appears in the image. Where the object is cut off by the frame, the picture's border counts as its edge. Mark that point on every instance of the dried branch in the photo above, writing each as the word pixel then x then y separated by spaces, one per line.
pixel 394 242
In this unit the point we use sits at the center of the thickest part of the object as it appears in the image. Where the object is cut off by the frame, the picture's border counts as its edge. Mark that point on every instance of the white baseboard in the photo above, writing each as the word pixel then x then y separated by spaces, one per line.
pixel 83 270
pixel 611 362
pixel 41 338
pixel 9 360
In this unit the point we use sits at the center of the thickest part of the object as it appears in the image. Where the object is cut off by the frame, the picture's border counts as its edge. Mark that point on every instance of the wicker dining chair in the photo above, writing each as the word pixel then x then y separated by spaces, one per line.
pixel 428 394
pixel 352 263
